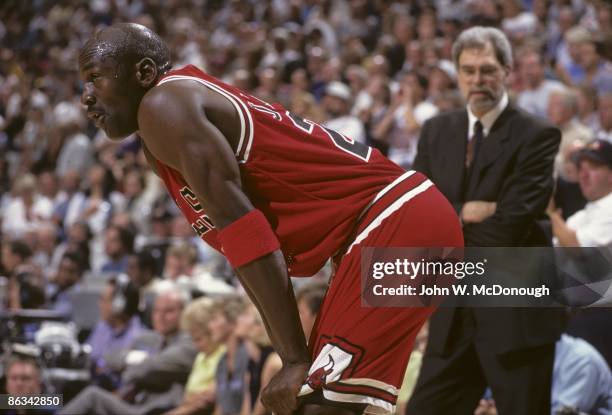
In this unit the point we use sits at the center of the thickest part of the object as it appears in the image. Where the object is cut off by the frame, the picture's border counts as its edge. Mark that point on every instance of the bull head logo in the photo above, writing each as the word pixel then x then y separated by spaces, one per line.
pixel 317 379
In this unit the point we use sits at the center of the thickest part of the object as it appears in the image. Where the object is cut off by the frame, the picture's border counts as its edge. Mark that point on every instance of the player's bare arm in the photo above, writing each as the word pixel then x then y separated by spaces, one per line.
pixel 182 136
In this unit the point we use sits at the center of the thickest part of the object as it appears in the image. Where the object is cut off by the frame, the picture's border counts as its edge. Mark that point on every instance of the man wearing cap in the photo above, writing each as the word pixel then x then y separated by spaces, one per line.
pixel 591 226
pixel 337 104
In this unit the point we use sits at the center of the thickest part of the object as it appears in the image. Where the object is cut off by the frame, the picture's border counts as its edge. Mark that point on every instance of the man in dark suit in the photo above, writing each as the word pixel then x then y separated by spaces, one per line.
pixel 494 163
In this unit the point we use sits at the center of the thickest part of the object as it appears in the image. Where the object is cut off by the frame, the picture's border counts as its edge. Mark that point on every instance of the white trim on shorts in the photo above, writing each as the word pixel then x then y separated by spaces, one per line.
pixel 375 406
pixel 389 211
pixel 371 382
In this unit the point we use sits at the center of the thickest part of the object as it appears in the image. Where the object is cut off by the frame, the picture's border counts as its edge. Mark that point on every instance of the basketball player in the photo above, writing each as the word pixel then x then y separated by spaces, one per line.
pixel 277 195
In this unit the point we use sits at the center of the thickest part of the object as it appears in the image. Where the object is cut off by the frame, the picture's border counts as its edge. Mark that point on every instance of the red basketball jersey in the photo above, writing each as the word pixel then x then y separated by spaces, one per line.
pixel 310 182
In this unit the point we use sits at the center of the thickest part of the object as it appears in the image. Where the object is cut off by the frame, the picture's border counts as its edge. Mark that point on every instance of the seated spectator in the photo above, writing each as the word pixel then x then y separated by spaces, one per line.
pixel 209 329
pixel 141 270
pixel 597 70
pixel 581 378
pixel 138 202
pixel 556 47
pixel 517 22
pixel 230 376
pixel 25 288
pixel 181 259
pixel 591 226
pixel 76 151
pixel 562 112
pixel 337 103
pixel 263 363
pixel 27 209
pixel 309 298
pixel 413 369
pixel 534 98
pixel 568 196
pixel 100 198
pixel 46 239
pixel 582 382
pixel 67 207
pixel 119 323
pixel 78 240
pixel 23 377
pixel 400 126
pixel 604 112
pixel 304 105
pixel 155 367
pixel 373 106
pixel 118 244
pixel 208 257
pixel 587 107
pixel 166 315
pixel 442 79
pixel 65 282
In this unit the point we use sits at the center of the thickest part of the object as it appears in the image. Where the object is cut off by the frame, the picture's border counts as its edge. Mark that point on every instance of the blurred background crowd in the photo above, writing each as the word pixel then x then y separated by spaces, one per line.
pixel 90 237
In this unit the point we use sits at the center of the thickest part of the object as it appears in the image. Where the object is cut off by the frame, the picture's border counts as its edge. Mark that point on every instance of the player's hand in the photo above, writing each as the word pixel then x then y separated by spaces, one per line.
pixel 280 396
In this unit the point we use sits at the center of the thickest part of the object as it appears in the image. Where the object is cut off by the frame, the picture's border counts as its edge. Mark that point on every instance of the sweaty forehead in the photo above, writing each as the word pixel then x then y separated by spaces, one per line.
pixel 98 49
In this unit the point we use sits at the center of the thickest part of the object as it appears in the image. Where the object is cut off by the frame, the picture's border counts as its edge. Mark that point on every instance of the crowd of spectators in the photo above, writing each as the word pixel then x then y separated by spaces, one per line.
pixel 83 218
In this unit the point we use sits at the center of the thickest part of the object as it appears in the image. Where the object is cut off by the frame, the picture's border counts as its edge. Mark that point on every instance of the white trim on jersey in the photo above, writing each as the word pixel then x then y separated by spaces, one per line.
pixel 384 191
pixel 371 382
pixel 236 102
pixel 375 406
pixel 388 211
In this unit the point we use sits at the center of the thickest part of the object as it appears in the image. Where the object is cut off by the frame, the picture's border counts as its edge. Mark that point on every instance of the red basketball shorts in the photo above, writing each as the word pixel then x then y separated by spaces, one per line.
pixel 360 353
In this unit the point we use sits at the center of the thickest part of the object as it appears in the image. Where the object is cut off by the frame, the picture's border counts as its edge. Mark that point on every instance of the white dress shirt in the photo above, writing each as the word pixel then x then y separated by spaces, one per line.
pixel 488 119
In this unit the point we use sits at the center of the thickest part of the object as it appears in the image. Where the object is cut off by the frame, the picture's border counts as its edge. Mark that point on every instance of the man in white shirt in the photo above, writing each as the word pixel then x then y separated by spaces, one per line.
pixel 534 98
pixel 591 226
pixel 337 104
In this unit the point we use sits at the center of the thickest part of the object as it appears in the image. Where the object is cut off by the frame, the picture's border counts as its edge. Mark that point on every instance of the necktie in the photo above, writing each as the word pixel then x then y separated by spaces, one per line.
pixel 474 144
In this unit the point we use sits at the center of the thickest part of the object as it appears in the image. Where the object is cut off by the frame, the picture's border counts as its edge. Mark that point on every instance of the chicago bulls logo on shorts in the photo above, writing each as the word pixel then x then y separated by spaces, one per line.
pixel 334 361
pixel 317 379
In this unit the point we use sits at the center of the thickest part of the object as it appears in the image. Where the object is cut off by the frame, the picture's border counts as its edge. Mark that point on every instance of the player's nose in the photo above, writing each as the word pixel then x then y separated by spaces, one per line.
pixel 87 97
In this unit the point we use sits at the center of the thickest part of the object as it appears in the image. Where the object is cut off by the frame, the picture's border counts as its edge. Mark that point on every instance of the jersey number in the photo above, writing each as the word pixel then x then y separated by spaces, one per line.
pixel 191 199
pixel 344 143
pixel 203 223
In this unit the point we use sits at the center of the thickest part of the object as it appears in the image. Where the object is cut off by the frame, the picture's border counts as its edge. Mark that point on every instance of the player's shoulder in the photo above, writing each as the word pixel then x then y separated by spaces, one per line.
pixel 169 98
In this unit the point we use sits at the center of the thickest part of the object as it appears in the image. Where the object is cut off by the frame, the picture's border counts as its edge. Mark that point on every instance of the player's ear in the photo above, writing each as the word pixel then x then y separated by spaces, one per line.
pixel 146 72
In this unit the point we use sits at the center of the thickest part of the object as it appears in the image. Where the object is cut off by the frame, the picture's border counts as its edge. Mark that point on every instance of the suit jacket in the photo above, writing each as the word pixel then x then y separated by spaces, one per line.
pixel 172 364
pixel 514 169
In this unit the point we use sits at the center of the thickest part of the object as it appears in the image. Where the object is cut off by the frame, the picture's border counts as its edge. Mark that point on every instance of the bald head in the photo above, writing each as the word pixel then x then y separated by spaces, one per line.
pixel 127 43
pixel 167 311
pixel 118 65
